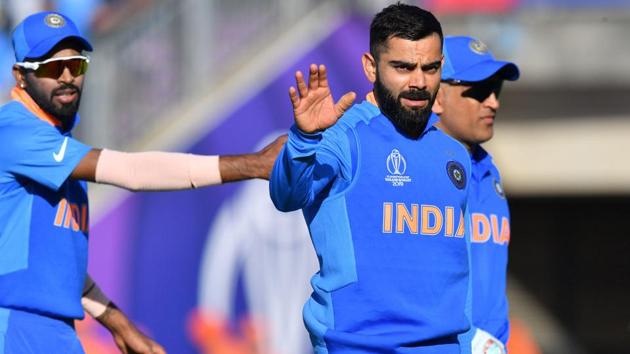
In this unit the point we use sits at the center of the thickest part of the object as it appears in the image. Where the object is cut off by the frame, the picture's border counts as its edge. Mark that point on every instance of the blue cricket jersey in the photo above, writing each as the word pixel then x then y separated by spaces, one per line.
pixel 386 216
pixel 43 216
pixel 490 237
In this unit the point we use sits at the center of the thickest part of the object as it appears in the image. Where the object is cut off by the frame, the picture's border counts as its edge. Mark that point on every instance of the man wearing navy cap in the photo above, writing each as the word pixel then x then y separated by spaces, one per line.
pixel 44 218
pixel 467 104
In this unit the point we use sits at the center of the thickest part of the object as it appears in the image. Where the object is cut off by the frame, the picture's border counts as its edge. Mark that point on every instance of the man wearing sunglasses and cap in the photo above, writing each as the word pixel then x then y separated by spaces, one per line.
pixel 467 104
pixel 43 190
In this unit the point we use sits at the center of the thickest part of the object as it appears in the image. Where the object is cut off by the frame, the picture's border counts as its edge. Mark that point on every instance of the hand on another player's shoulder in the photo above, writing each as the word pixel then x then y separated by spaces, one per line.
pixel 267 156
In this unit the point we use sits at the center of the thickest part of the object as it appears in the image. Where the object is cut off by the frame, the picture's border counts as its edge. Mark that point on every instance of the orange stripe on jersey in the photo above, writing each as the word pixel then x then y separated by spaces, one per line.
pixel 434 229
pixel 496 236
pixel 61 211
pixel 20 95
pixel 505 230
pixel 403 217
pixel 480 228
pixel 450 221
pixel 388 217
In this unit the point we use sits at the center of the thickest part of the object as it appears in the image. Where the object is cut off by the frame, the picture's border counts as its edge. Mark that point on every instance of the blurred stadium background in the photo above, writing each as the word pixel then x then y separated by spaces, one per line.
pixel 220 271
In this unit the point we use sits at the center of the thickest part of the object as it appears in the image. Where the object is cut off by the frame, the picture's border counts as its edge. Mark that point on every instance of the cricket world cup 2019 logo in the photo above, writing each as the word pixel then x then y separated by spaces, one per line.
pixel 396 166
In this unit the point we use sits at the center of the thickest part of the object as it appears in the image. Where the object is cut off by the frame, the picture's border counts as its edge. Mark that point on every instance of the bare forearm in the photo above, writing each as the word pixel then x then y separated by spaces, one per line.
pixel 112 319
pixel 239 167
pixel 257 165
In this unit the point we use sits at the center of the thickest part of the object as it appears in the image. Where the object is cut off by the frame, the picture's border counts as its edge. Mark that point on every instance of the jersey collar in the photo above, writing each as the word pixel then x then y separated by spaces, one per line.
pixel 481 162
pixel 20 95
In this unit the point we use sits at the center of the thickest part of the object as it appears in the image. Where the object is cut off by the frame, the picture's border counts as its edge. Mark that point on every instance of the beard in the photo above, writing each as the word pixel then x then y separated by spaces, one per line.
pixel 410 122
pixel 66 113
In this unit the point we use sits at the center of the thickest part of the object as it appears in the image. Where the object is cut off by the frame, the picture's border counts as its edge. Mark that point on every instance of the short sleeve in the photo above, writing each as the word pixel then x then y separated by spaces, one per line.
pixel 38 151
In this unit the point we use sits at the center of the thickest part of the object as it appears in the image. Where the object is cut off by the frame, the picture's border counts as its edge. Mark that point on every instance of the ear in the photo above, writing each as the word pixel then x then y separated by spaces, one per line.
pixel 369 67
pixel 438 105
pixel 18 74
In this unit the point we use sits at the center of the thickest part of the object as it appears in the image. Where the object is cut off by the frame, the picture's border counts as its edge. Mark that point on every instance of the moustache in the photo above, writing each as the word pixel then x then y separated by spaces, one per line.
pixel 65 87
pixel 415 95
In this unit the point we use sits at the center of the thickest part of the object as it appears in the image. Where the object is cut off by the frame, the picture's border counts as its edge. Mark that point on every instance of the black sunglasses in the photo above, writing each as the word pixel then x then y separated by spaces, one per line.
pixel 479 90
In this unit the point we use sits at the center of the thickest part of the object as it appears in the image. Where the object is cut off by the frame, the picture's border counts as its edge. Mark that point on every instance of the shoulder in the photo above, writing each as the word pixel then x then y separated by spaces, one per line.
pixel 16 118
pixel 19 128
pixel 14 113
pixel 361 113
pixel 441 140
pixel 484 158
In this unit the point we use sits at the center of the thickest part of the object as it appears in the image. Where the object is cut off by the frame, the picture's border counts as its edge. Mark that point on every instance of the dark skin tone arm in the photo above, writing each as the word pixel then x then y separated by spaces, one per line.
pixel 232 167
pixel 128 338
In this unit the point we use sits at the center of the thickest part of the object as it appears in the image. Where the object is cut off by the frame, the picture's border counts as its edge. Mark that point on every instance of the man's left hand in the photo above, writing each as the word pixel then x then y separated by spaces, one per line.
pixel 127 336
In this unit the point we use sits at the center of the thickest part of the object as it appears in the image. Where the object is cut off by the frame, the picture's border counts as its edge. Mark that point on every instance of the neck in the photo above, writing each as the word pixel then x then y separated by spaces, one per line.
pixel 371 98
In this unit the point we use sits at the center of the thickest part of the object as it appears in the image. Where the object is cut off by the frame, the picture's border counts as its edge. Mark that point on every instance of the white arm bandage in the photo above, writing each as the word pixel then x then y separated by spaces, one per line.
pixel 157 171
pixel 94 302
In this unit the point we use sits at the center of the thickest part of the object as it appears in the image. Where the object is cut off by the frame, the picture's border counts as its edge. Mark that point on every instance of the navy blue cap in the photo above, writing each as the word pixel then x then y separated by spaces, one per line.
pixel 37 34
pixel 469 59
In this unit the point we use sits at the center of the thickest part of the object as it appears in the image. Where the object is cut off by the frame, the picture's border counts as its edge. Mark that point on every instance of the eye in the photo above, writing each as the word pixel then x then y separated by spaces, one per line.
pixel 431 68
pixel 403 68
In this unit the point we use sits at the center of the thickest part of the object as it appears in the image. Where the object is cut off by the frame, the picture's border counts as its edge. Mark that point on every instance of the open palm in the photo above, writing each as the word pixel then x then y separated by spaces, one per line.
pixel 313 107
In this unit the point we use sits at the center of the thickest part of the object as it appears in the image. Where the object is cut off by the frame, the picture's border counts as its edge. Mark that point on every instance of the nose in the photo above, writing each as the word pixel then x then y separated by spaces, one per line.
pixel 66 76
pixel 492 101
pixel 417 79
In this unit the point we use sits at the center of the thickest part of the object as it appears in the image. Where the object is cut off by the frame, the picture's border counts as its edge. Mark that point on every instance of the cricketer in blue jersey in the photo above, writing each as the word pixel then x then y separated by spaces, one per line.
pixel 44 214
pixel 467 105
pixel 384 194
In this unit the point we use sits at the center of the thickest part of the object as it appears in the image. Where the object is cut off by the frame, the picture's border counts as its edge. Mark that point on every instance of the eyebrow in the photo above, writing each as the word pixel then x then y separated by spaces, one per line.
pixel 409 65
pixel 434 65
pixel 403 64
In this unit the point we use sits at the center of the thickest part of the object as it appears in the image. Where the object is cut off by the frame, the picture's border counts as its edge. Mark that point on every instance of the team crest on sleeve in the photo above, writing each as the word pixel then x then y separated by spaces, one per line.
pixel 498 187
pixel 456 173
pixel 396 167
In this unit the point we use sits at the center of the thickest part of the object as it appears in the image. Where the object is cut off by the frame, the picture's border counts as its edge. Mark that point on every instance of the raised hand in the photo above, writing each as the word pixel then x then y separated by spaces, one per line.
pixel 313 107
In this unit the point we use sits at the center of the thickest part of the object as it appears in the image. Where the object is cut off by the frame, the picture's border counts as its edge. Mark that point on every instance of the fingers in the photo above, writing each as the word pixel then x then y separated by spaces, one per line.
pixel 301 84
pixel 323 79
pixel 317 77
pixel 344 103
pixel 295 99
pixel 313 77
pixel 157 349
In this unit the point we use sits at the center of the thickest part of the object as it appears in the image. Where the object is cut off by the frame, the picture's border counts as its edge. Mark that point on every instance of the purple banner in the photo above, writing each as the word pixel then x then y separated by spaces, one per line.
pixel 219 270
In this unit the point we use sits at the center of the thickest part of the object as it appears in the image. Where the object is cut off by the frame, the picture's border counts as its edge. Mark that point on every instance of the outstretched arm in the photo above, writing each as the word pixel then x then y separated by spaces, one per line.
pixel 126 335
pixel 309 162
pixel 173 171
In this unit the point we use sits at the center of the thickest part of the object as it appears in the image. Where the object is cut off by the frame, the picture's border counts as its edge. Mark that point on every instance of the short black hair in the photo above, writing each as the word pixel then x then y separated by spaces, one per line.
pixel 402 21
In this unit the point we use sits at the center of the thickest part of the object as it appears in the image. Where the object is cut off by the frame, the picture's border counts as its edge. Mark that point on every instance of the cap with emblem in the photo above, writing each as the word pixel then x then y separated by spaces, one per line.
pixel 37 34
pixel 469 59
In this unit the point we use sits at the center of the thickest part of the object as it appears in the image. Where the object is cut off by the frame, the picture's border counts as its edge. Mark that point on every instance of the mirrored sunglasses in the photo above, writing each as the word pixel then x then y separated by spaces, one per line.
pixel 54 67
